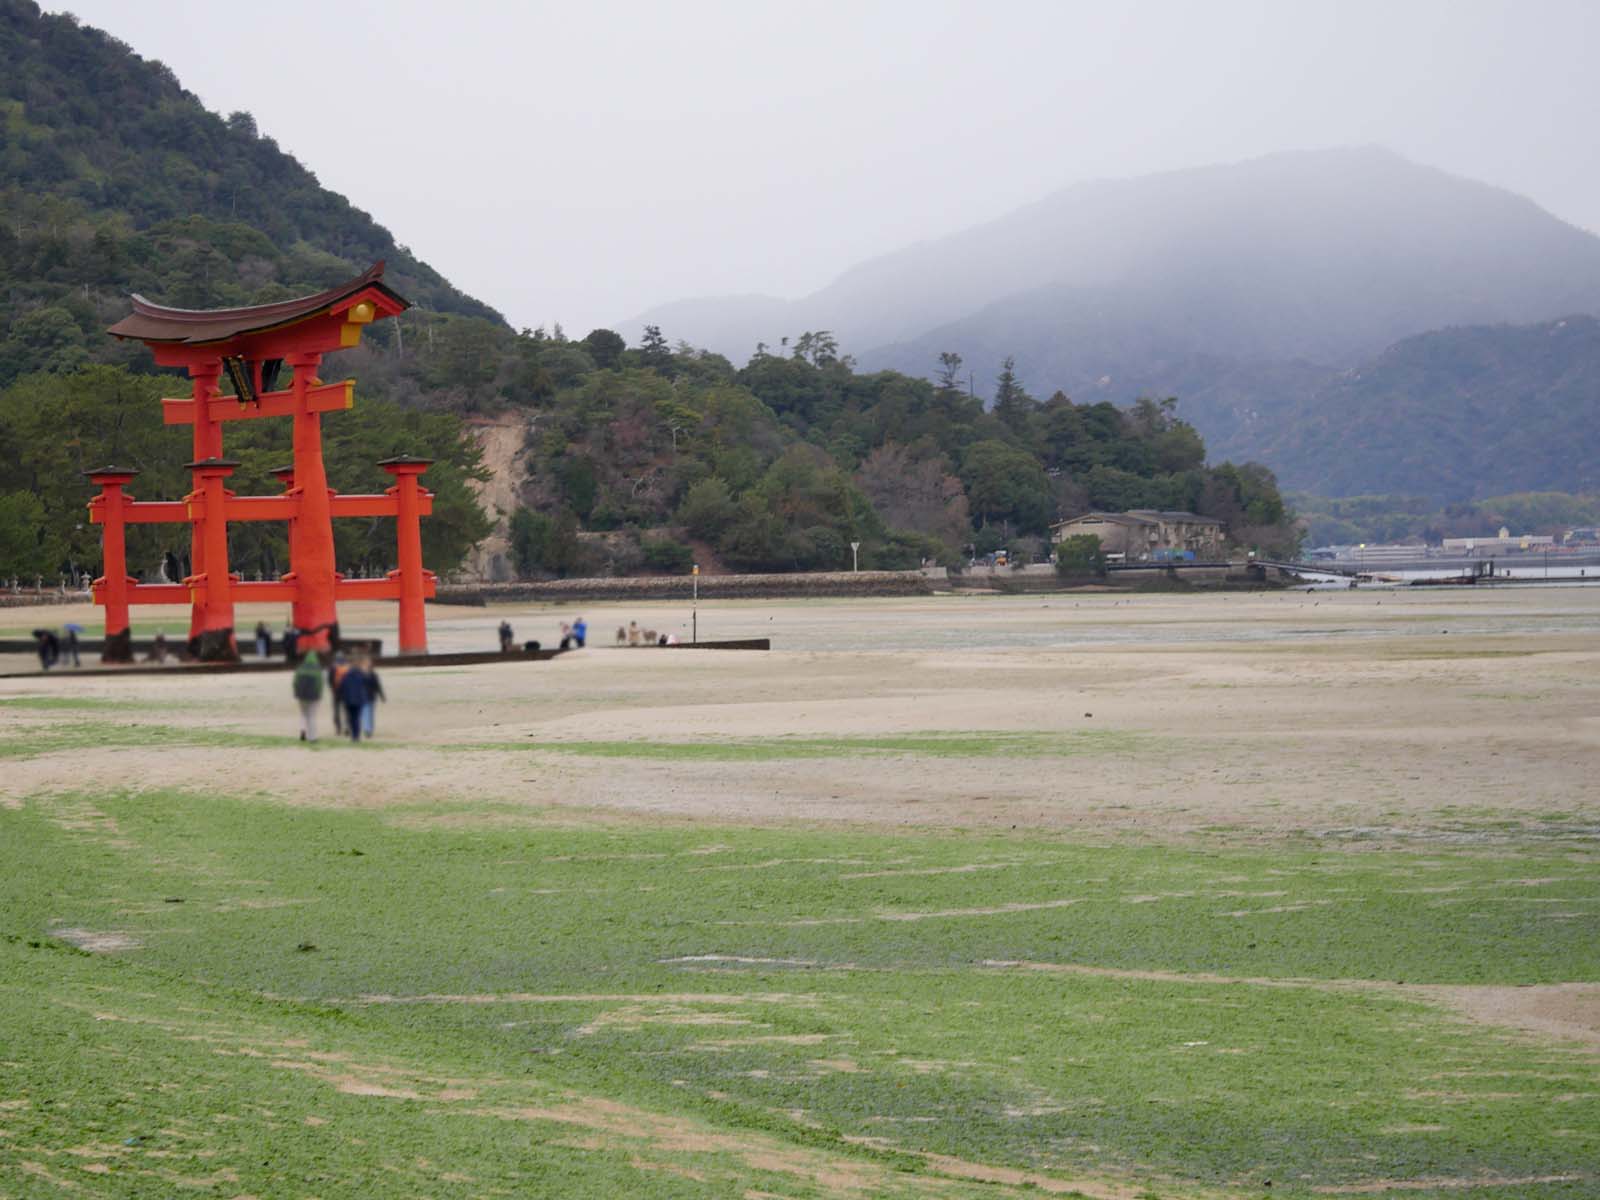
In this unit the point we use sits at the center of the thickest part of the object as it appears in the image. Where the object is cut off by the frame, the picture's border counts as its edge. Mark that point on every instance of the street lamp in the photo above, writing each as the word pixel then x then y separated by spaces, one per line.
pixel 694 610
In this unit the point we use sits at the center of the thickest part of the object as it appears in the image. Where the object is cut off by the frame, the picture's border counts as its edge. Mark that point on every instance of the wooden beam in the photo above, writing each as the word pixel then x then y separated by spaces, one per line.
pixel 159 593
pixel 382 505
pixel 251 591
pixel 145 512
pixel 384 589
pixel 325 397
pixel 367 589
pixel 258 508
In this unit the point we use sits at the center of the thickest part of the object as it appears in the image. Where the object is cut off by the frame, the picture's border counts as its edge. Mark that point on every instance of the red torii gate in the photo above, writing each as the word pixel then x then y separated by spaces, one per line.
pixel 251 345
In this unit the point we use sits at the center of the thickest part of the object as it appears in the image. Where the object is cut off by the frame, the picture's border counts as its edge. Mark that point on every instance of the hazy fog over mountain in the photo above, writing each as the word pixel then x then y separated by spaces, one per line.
pixel 582 163
pixel 1268 296
pixel 1326 256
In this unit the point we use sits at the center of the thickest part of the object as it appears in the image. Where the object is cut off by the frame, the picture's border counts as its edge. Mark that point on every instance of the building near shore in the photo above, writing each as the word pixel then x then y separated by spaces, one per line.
pixel 1142 534
pixel 1372 554
pixel 1505 543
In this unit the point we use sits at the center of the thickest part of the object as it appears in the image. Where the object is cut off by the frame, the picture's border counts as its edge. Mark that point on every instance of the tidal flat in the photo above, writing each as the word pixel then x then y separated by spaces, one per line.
pixel 1152 896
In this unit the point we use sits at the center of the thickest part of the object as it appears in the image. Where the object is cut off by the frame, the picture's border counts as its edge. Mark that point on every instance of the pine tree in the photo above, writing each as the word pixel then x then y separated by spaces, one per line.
pixel 1012 404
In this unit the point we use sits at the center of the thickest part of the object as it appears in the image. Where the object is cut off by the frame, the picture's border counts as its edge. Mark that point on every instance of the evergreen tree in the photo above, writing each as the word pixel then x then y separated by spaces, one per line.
pixel 1012 404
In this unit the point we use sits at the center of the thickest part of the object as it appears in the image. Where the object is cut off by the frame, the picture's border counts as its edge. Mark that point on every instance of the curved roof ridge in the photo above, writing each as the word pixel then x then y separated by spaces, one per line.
pixel 151 322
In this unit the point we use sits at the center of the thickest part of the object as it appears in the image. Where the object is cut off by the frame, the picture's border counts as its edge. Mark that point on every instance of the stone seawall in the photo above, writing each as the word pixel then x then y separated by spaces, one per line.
pixel 680 587
pixel 1151 577
pixel 49 596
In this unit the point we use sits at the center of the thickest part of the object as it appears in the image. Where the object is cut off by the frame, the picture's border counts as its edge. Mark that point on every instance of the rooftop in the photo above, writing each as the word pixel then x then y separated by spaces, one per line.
pixel 150 322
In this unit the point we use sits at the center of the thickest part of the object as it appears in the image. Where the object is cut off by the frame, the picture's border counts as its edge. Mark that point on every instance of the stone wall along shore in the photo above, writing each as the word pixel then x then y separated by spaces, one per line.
pixel 680 587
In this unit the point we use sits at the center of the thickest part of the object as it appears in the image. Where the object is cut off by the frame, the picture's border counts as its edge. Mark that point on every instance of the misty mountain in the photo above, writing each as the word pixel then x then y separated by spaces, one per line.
pixel 1245 289
pixel 1329 256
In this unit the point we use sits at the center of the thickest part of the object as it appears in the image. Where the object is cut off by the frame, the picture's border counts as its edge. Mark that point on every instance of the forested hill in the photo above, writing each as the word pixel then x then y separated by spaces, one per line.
pixel 1457 414
pixel 114 179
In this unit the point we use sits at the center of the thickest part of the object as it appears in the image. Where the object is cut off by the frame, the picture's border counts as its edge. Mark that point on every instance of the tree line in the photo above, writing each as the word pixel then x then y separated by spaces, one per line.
pixel 671 452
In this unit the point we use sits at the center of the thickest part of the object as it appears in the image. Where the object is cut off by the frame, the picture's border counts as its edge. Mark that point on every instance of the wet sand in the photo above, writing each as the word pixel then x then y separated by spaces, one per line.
pixel 1395 715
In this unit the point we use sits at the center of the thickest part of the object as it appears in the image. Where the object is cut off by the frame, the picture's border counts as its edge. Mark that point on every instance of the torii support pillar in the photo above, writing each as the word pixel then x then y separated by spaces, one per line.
pixel 213 588
pixel 285 476
pixel 316 579
pixel 111 589
pixel 207 444
pixel 408 537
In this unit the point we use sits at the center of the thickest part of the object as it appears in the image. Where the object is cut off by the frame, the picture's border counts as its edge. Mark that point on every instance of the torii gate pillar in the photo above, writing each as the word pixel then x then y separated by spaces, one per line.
pixel 111 589
pixel 212 588
pixel 408 534
pixel 315 576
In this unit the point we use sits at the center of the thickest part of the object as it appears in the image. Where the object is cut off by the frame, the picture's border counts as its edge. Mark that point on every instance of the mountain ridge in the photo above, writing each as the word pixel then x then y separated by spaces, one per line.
pixel 1113 233
pixel 1243 289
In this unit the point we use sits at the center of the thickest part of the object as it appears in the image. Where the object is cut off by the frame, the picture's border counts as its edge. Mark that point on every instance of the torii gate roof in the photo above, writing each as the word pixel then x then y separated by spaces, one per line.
pixel 193 327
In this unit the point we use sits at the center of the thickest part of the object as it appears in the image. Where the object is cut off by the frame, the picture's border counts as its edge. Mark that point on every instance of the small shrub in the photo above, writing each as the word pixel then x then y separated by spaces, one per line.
pixel 667 557
pixel 1080 555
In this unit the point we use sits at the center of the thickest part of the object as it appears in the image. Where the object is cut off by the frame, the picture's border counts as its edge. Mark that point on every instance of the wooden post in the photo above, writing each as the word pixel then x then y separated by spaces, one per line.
pixel 312 553
pixel 213 589
pixel 285 476
pixel 207 444
pixel 111 589
pixel 408 537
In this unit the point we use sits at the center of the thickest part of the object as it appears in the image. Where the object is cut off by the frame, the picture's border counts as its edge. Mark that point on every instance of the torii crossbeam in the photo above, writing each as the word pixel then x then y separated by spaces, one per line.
pixel 251 345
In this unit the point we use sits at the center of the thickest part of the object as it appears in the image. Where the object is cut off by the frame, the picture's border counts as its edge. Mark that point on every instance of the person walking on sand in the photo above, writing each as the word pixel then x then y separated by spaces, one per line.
pixel 49 647
pixel 507 637
pixel 580 632
pixel 263 640
pixel 336 670
pixel 308 692
pixel 353 693
pixel 369 711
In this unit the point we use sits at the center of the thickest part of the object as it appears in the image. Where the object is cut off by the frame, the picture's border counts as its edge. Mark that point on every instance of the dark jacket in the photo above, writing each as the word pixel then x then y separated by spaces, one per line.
pixel 354 688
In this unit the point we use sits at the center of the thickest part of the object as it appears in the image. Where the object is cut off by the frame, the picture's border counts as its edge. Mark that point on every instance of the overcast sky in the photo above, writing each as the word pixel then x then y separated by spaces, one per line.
pixel 579 162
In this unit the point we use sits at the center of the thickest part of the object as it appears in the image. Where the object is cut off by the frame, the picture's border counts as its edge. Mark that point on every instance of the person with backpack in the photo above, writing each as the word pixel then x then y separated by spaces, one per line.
pixel 308 692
